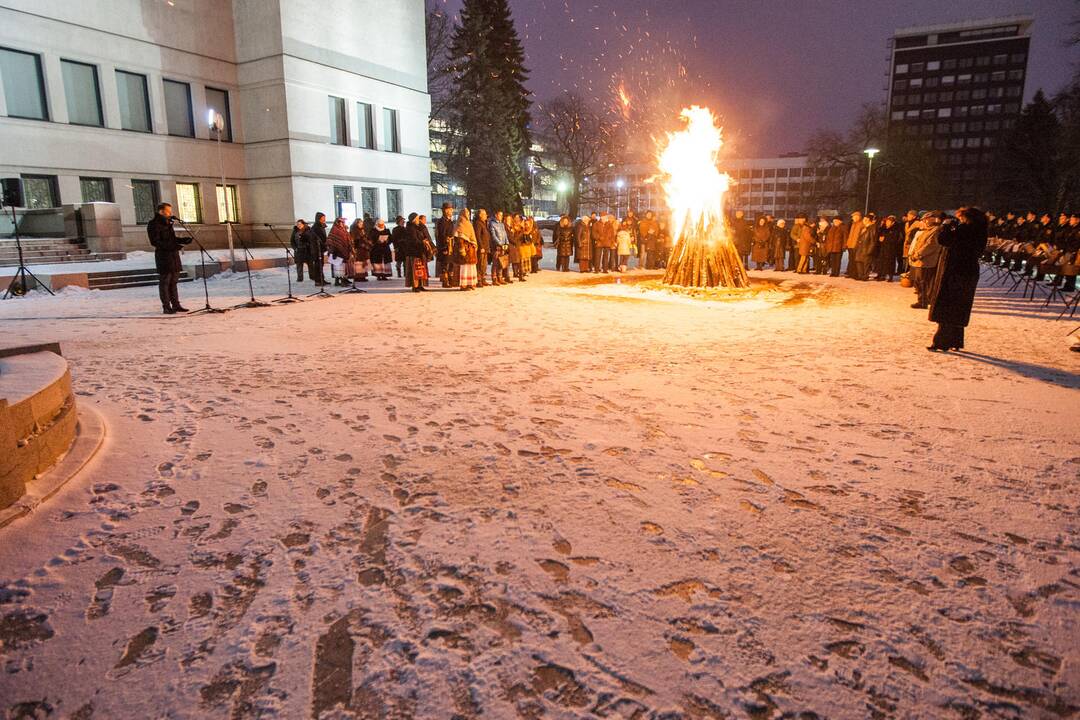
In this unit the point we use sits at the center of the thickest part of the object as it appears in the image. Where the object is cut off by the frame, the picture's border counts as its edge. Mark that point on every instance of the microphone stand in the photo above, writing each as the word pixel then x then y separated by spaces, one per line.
pixel 203 254
pixel 23 271
pixel 252 303
pixel 290 298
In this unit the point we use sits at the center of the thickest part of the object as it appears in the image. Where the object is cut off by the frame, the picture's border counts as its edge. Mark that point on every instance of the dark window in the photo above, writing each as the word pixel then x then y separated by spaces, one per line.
pixel 949 64
pixel 134 100
pixel 391 141
pixel 146 196
pixel 96 189
pixel 342 193
pixel 339 122
pixel 966 62
pixel 393 204
pixel 365 126
pixel 900 85
pixel 24 85
pixel 982 61
pixel 369 200
pixel 218 102
pixel 40 191
pixel 82 93
pixel 178 109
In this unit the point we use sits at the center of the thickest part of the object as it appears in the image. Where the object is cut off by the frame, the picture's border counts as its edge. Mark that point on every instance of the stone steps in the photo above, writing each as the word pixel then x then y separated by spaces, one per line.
pixel 120 279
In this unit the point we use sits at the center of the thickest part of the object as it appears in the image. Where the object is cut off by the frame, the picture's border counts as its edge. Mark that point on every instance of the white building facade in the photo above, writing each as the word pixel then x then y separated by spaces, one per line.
pixel 323 103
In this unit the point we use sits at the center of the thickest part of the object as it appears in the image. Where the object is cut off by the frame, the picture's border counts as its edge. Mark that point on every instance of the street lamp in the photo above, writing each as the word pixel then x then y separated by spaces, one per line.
pixel 560 189
pixel 217 124
pixel 870 153
pixel 619 184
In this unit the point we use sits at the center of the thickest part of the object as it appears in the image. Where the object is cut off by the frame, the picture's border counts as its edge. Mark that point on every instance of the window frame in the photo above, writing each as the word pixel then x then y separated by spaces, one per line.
pixel 365 123
pixel 146 101
pixel 190 107
pixel 198 220
pixel 109 191
pixel 155 193
pixel 42 95
pixel 339 120
pixel 225 192
pixel 54 188
pixel 226 115
pixel 97 92
pixel 391 123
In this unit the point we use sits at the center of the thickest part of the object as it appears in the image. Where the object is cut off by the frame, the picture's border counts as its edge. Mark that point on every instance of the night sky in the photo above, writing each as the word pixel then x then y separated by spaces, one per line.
pixel 773 70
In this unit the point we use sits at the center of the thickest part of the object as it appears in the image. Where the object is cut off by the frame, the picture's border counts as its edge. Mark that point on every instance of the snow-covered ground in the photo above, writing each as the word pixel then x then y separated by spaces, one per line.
pixel 556 499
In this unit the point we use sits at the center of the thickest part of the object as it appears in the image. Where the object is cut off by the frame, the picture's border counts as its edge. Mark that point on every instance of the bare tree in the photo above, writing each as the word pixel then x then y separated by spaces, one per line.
pixel 440 30
pixel 578 139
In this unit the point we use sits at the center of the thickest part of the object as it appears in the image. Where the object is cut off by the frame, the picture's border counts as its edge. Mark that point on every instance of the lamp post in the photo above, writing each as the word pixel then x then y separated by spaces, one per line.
pixel 619 184
pixel 217 124
pixel 870 153
pixel 560 189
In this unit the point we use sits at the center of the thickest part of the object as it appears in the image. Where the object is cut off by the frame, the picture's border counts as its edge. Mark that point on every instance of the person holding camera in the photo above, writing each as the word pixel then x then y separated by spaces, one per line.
pixel 166 258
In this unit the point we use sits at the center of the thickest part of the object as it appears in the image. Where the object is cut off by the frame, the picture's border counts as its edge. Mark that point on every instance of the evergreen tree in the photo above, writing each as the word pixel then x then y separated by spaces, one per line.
pixel 488 110
pixel 1028 172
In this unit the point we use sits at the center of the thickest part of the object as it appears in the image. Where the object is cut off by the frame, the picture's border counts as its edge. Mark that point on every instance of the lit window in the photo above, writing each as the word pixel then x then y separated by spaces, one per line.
pixel 933 65
pixel 188 202
pixel 228 207
pixel 901 69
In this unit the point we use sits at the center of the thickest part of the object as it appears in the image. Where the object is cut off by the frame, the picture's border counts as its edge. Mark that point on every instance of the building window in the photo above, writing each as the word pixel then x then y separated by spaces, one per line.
pixel 1001 59
pixel 146 195
pixel 997 76
pixel 40 191
pixel 956 143
pixel 912 115
pixel 898 115
pixel 963 94
pixel 901 68
pixel 899 100
pixel 390 131
pixel 941 144
pixel 933 66
pixel 964 78
pixel 982 61
pixel 218 102
pixel 339 122
pixel 1017 58
pixel 24 85
pixel 949 64
pixel 1016 75
pixel 393 205
pixel 975 126
pixel 966 62
pixel 228 208
pixel 365 126
pixel 994 109
pixel 96 189
pixel 959 127
pixel 944 112
pixel 178 109
pixel 981 78
pixel 82 93
pixel 931 82
pixel 916 67
pixel 900 85
pixel 946 96
pixel 342 193
pixel 972 142
pixel 188 202
pixel 914 99
pixel 948 80
pixel 978 94
pixel 915 83
pixel 369 200
pixel 1013 91
pixel 134 99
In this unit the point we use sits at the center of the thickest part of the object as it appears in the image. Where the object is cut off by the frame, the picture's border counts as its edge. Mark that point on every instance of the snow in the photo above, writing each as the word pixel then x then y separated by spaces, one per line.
pixel 558 498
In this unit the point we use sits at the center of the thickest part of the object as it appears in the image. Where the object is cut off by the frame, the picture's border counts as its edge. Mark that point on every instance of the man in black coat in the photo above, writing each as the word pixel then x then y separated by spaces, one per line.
pixel 318 234
pixel 166 258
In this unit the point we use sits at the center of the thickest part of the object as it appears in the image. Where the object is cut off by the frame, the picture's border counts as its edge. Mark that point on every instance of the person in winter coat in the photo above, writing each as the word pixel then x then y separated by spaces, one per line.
pixel 890 244
pixel 362 246
pixel 604 235
pixel 957 278
pixel 536 244
pixel 340 247
pixel 743 236
pixel 664 243
pixel 648 230
pixel 301 242
pixel 852 242
pixel 802 239
pixel 624 244
pixel 483 246
pixel 380 251
pixel 500 250
pixel 563 239
pixel 166 258
pixel 779 244
pixel 465 247
pixel 418 253
pixel 835 237
pixel 583 243
pixel 398 241
pixel 515 233
pixel 762 239
pixel 318 234
pixel 444 246
pixel 821 256
pixel 865 248
pixel 923 258
pixel 911 218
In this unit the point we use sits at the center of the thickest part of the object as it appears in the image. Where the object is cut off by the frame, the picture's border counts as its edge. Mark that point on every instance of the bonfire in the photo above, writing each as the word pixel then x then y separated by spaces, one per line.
pixel 703 256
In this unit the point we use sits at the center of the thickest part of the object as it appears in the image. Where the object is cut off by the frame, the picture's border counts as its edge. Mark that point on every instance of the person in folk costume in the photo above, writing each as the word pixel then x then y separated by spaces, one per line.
pixel 431 252
pixel 533 231
pixel 339 245
pixel 483 246
pixel 583 243
pixel 525 244
pixel 465 246
pixel 500 250
pixel 563 240
pixel 398 241
pixel 362 245
pixel 444 245
pixel 957 277
pixel 380 251
pixel 762 236
pixel 514 233
pixel 416 253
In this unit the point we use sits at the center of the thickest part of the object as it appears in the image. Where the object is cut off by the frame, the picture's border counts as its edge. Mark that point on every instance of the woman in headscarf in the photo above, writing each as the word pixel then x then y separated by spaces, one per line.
pixel 362 248
pixel 563 239
pixel 340 247
pixel 465 239
pixel 380 251
pixel 762 238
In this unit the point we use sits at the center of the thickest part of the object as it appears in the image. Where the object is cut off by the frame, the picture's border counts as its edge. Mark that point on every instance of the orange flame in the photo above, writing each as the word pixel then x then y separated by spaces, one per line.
pixel 624 100
pixel 692 182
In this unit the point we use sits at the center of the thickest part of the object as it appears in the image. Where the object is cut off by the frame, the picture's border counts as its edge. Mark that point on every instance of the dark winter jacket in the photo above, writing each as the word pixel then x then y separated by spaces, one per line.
pixel 563 240
pixel 166 245
pixel 957 278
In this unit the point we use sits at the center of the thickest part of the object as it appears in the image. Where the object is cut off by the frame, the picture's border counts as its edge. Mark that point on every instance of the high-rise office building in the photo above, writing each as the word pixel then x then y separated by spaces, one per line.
pixel 957 89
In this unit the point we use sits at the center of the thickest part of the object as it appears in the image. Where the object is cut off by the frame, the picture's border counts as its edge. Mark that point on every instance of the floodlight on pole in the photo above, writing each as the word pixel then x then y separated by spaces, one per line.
pixel 217 124
pixel 870 153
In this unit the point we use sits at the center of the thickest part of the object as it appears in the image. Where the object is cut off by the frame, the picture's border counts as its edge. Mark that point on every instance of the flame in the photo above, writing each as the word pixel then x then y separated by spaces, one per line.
pixel 692 182
pixel 624 100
